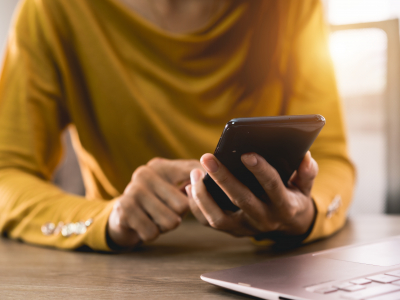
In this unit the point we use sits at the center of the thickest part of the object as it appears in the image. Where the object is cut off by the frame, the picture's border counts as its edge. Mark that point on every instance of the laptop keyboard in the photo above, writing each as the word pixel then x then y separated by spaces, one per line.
pixel 384 286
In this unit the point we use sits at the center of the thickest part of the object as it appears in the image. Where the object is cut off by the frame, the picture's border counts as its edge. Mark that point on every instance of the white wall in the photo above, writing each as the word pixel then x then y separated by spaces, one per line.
pixel 6 12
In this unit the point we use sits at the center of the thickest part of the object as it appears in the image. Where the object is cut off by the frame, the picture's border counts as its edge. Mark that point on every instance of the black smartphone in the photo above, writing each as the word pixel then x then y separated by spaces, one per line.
pixel 282 141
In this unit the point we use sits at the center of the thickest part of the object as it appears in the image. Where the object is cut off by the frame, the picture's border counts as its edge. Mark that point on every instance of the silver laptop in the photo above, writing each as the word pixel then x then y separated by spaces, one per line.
pixel 365 271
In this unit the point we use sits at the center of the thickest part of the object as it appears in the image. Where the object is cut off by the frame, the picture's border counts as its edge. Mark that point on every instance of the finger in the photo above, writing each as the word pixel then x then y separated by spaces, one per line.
pixel 166 192
pixel 194 208
pixel 162 215
pixel 236 223
pixel 211 211
pixel 267 176
pixel 239 194
pixel 170 195
pixel 305 175
pixel 132 216
pixel 182 186
pixel 119 231
pixel 174 171
pixel 145 228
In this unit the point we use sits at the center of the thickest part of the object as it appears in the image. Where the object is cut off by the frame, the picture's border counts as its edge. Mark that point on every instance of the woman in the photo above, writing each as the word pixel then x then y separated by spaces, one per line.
pixel 146 88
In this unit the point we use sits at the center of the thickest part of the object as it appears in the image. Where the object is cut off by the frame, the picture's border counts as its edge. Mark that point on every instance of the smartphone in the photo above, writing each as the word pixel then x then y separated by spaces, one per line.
pixel 282 141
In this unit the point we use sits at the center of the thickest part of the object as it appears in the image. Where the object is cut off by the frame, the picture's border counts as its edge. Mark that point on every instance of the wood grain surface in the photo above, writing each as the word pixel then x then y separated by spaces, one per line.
pixel 169 268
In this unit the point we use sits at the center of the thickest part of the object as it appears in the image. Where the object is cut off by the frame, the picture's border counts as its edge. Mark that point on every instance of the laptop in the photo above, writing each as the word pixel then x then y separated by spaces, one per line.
pixel 364 271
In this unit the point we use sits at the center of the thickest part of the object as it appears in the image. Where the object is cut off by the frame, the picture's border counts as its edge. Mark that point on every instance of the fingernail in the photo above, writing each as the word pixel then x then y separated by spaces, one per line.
pixel 195 176
pixel 249 159
pixel 309 159
pixel 188 189
pixel 211 165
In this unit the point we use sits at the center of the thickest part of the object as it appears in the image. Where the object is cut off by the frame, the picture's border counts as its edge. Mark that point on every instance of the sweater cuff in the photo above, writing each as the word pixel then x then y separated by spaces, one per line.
pixel 96 235
pixel 330 215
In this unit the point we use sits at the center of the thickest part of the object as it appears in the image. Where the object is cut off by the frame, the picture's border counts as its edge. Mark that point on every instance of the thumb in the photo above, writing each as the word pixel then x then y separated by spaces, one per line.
pixel 305 175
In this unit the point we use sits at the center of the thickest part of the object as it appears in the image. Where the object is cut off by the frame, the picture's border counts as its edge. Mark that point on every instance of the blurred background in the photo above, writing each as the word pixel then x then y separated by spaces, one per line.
pixel 364 43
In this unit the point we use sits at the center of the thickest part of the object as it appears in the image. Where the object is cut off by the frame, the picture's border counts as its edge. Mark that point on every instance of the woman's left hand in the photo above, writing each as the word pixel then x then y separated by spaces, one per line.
pixel 286 211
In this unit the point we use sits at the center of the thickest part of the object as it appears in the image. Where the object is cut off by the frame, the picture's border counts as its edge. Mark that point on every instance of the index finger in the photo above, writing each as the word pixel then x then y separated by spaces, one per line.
pixel 239 194
pixel 174 171
pixel 235 223
pixel 267 176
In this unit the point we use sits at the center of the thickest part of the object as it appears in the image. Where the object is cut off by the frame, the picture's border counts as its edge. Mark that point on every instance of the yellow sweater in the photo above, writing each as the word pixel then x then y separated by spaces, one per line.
pixel 132 92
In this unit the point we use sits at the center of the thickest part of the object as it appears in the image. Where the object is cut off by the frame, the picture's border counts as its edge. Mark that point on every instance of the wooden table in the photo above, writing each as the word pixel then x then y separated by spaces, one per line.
pixel 167 269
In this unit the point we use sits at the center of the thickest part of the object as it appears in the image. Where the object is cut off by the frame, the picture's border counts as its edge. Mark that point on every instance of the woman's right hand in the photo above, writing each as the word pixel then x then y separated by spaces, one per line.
pixel 152 203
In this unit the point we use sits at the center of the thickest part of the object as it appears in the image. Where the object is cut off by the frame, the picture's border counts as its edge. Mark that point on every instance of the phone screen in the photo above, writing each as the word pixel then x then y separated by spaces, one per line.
pixel 282 141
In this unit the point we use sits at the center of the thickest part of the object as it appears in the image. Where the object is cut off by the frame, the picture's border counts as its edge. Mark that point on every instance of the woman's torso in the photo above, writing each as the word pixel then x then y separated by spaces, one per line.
pixel 134 91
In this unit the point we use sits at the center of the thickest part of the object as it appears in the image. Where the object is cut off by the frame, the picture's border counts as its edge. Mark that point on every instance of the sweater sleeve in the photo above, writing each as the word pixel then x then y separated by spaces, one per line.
pixel 313 90
pixel 32 118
